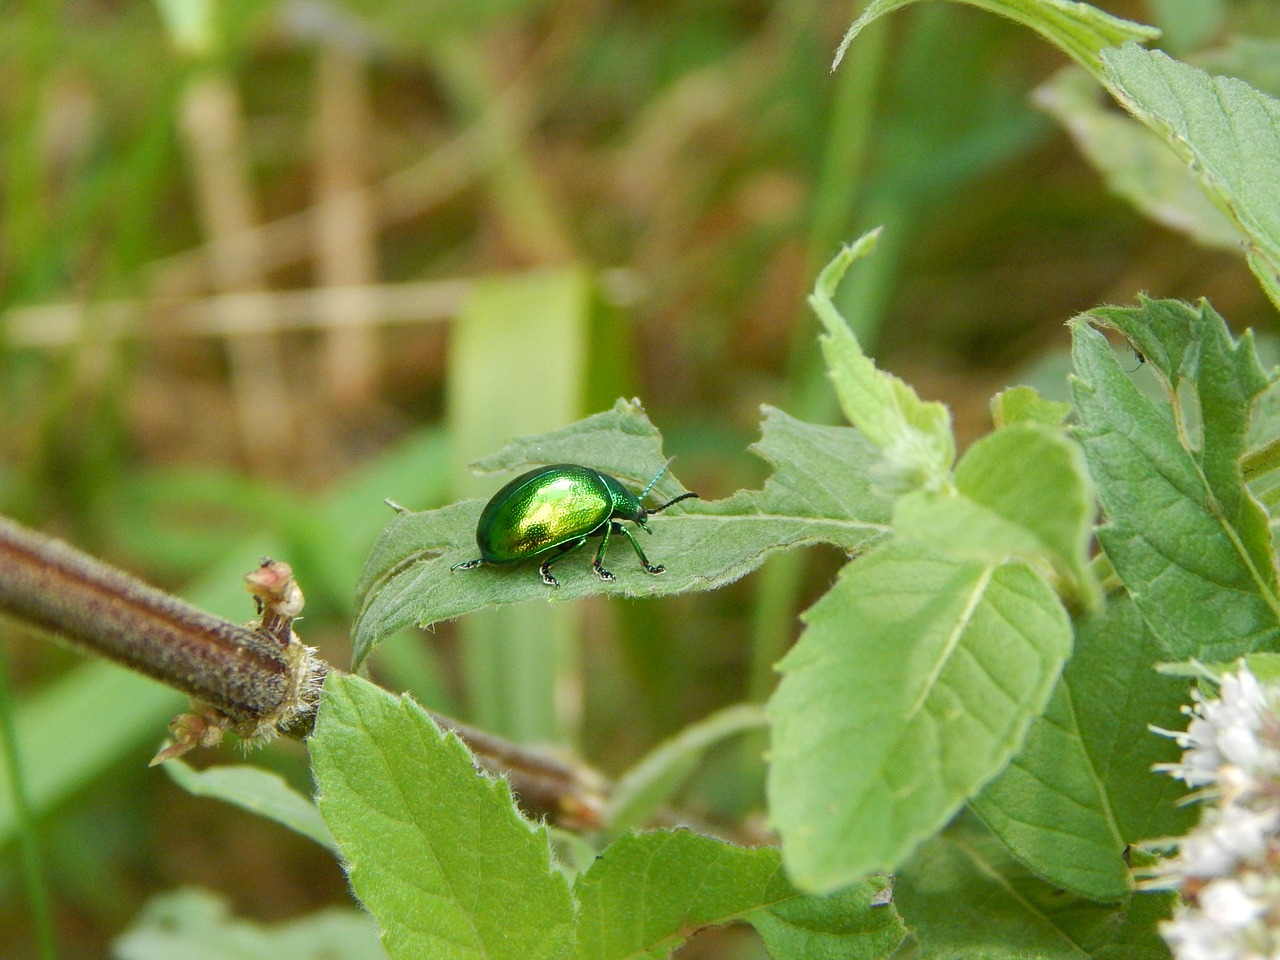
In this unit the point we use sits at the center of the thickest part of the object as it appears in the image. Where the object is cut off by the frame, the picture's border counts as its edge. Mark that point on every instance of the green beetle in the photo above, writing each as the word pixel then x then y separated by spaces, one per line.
pixel 557 508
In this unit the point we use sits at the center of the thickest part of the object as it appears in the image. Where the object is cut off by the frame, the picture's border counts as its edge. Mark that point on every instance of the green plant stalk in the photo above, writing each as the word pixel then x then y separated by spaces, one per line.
pixel 126 202
pixel 29 269
pixel 842 173
pixel 1260 462
pixel 33 872
pixel 517 365
pixel 528 212
pixel 644 789
pixel 844 161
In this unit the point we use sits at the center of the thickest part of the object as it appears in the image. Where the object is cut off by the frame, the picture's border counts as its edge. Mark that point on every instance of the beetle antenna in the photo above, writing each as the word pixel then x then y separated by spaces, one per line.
pixel 670 460
pixel 683 496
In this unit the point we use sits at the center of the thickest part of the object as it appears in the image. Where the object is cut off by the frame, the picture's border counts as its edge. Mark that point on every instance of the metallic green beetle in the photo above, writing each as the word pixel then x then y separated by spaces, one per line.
pixel 557 508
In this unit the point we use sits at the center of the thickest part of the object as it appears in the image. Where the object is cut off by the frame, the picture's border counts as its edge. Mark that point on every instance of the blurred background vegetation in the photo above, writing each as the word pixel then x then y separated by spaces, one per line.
pixel 265 264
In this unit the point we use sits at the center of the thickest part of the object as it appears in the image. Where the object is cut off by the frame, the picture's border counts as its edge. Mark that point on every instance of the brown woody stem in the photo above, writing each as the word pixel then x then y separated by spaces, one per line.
pixel 245 674
pixel 103 610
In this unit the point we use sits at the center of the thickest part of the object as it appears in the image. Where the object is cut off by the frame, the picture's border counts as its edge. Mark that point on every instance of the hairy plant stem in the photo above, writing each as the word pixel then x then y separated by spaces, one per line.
pixel 248 675
pixel 105 611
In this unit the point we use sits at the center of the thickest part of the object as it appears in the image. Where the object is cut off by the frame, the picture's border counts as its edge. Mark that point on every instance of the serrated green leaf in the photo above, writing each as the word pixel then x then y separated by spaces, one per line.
pixel 436 851
pixel 1228 132
pixel 196 925
pixel 1134 164
pixel 1021 492
pixel 963 896
pixel 913 684
pixel 259 791
pixel 819 493
pixel 1082 789
pixel 648 892
pixel 1183 531
pixel 1081 31
pixel 914 437
pixel 1026 405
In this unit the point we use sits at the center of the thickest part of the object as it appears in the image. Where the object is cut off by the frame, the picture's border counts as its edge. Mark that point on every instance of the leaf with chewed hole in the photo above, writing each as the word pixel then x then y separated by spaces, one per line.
pixel 1183 530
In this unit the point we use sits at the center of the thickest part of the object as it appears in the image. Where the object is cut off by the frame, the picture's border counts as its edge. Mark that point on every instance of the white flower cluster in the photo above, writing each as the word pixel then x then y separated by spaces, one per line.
pixel 1228 867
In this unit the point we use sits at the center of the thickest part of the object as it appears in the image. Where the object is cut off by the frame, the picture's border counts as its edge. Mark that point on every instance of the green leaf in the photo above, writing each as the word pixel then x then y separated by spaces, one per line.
pixel 1228 132
pixel 1078 29
pixel 1082 789
pixel 196 925
pixel 856 923
pixel 1135 165
pixel 642 790
pixel 1026 405
pixel 648 892
pixel 819 493
pixel 1264 666
pixel 913 684
pixel 963 896
pixel 259 791
pixel 1183 531
pixel 435 850
pixel 914 437
pixel 1021 492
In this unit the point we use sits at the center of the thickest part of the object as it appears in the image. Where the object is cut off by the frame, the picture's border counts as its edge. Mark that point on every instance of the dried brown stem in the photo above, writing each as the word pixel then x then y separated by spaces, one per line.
pixel 249 676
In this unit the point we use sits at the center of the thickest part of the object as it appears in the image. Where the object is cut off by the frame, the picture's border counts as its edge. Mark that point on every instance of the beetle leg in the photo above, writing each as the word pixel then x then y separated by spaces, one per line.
pixel 644 561
pixel 601 572
pixel 468 564
pixel 545 569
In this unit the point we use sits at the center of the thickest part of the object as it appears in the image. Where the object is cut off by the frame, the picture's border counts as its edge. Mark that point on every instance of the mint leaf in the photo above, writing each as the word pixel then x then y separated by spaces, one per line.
pixel 259 791
pixel 1183 531
pixel 196 925
pixel 1134 164
pixel 913 684
pixel 1082 788
pixel 858 922
pixel 914 437
pixel 818 493
pixel 435 850
pixel 646 893
pixel 1079 30
pixel 1025 405
pixel 1225 130
pixel 1021 492
pixel 963 896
